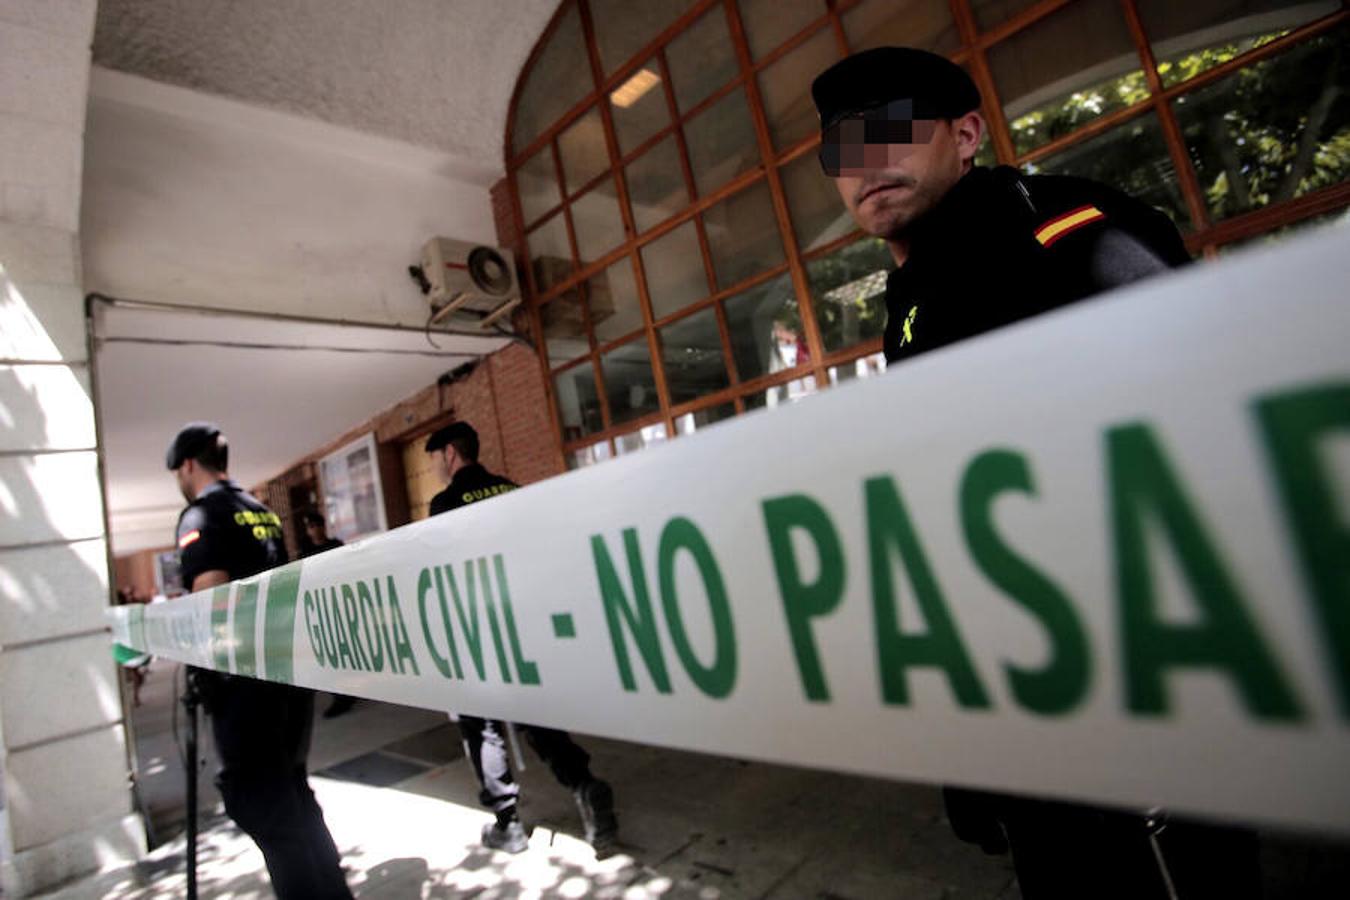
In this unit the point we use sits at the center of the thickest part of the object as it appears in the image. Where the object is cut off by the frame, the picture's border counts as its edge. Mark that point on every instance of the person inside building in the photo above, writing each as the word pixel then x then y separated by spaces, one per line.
pixel 454 453
pixel 261 729
pixel 318 541
pixel 977 249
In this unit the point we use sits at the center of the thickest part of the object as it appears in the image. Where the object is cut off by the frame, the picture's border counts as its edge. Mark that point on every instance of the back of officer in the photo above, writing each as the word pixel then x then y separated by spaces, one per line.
pixel 977 249
pixel 262 730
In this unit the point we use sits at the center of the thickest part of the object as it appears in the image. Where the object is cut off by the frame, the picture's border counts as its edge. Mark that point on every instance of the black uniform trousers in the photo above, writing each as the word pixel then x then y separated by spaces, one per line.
pixel 262 733
pixel 485 744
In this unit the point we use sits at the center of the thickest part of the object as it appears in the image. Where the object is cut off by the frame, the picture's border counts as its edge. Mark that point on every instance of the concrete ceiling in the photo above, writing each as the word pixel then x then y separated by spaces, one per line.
pixel 436 73
pixel 278 390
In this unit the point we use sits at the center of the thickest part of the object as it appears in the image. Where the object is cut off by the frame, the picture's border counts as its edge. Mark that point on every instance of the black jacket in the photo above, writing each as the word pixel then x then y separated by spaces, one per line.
pixel 1002 246
pixel 470 484
pixel 227 528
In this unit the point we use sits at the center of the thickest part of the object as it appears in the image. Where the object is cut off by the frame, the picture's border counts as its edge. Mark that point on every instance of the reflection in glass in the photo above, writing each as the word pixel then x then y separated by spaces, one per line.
pixel 538 183
pixel 564 329
pixel 578 402
pixel 926 24
pixel 1070 67
pixel 848 292
pixel 782 394
pixel 699 419
pixel 674 267
pixel 818 213
pixel 785 88
pixel 582 149
pixel 629 384
pixel 701 59
pixel 1274 130
pixel 691 351
pixel 769 23
pixel 743 236
pixel 721 142
pixel 623 27
pixel 597 221
pixel 766 329
pixel 1131 157
pixel 588 456
pixel 550 252
pixel 641 439
pixel 613 297
pixel 1190 37
pixel 639 107
pixel 556 82
pixel 656 186
pixel 862 367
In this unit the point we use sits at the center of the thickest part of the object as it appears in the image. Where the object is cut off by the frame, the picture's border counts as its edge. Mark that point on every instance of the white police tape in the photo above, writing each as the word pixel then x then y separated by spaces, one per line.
pixel 1101 555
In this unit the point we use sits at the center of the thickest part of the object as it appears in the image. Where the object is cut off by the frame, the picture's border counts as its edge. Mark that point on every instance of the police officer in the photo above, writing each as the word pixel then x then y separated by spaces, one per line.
pixel 454 453
pixel 262 730
pixel 977 249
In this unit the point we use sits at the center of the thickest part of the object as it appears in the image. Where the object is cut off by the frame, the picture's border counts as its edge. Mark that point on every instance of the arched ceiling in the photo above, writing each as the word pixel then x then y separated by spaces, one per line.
pixel 436 73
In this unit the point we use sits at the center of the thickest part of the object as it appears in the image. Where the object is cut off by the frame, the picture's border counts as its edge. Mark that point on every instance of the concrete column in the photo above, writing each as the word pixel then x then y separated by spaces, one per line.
pixel 66 807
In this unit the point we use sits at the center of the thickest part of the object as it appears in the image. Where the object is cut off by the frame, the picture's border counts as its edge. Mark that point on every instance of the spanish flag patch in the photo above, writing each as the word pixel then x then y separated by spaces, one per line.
pixel 1071 221
pixel 189 538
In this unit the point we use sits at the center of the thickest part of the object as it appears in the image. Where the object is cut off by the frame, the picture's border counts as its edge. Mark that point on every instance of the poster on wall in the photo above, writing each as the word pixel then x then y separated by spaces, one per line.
pixel 352 495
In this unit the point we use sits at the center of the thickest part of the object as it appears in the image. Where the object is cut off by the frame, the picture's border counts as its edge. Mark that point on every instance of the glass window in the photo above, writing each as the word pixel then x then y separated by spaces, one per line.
pixel 629 384
pixel 1132 157
pixel 766 329
pixel 623 27
pixel 613 298
pixel 785 88
pixel 578 402
pixel 641 439
pixel 701 59
pixel 782 394
pixel 721 142
pixel 639 108
pixel 537 180
pixel 769 23
pixel 989 13
pixel 1066 70
pixel 656 185
pixel 588 456
pixel 1274 130
pixel 699 419
pixel 818 213
pixel 550 252
pixel 691 351
pixel 556 82
pixel 926 24
pixel 597 221
pixel 1190 37
pixel 743 235
pixel 564 329
pixel 582 150
pixel 862 367
pixel 848 292
pixel 674 267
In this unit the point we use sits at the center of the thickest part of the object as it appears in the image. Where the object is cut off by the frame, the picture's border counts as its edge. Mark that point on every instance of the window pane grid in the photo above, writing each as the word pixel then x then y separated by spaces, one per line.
pixel 1161 80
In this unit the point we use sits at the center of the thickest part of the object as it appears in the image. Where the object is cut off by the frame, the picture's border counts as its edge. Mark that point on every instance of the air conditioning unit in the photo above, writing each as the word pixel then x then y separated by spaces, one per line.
pixel 471 279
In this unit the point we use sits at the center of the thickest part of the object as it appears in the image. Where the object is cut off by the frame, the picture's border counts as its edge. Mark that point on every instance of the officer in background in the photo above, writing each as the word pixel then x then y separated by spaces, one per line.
pixel 317 541
pixel 454 452
pixel 261 729
pixel 977 249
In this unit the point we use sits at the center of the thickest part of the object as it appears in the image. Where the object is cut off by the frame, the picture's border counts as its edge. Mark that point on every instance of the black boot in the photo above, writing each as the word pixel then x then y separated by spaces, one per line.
pixel 595 800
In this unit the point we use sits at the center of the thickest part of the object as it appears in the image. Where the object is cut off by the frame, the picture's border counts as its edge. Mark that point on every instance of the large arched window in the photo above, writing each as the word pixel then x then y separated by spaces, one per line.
pixel 687 260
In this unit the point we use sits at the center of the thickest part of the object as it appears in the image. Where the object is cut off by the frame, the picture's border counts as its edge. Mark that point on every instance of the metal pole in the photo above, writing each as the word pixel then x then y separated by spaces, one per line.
pixel 190 702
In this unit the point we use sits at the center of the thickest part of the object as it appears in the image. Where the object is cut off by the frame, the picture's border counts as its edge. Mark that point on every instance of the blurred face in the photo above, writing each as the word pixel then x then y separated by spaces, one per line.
pixel 889 184
pixel 183 475
pixel 442 462
pixel 316 533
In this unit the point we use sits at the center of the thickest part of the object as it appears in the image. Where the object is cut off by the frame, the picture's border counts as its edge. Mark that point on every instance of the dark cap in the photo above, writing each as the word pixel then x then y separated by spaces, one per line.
pixel 454 431
pixel 190 442
pixel 937 87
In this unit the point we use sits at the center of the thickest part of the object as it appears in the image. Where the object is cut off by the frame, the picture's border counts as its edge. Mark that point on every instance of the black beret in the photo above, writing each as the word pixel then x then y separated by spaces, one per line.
pixel 939 87
pixel 454 431
pixel 188 443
